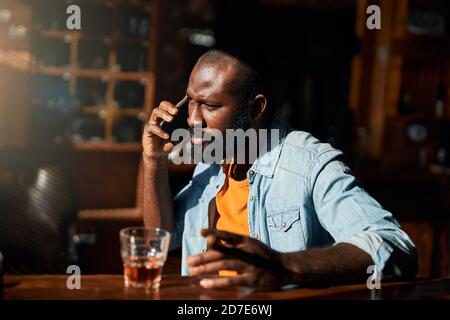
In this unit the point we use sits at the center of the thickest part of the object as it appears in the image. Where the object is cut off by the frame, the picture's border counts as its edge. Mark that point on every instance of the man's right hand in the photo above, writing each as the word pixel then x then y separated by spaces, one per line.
pixel 156 142
pixel 157 199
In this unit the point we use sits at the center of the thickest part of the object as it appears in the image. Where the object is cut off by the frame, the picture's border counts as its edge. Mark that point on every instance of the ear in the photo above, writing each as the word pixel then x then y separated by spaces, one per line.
pixel 257 106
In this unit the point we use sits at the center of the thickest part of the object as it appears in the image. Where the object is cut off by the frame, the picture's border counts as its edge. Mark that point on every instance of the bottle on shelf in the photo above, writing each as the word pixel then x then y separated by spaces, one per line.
pixel 87 128
pixel 130 94
pixel 54 25
pixel 441 162
pixel 141 65
pixel 127 130
pixel 439 106
pixel 133 26
pixel 405 106
pixel 99 62
pixel 143 28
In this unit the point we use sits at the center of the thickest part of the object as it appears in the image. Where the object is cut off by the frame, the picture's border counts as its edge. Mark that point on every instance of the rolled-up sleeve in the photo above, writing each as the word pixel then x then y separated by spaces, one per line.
pixel 351 215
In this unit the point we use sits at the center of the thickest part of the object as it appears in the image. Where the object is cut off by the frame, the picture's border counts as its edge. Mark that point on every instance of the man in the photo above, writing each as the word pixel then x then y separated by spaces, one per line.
pixel 294 215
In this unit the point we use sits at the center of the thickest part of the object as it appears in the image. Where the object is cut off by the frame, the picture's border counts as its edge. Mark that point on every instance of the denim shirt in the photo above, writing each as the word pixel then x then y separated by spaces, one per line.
pixel 301 196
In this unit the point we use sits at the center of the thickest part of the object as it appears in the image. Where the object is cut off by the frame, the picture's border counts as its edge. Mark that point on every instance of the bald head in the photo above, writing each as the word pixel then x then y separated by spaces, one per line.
pixel 242 80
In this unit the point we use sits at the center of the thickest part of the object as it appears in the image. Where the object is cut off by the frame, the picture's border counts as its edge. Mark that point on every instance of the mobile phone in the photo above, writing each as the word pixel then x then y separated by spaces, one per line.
pixel 179 121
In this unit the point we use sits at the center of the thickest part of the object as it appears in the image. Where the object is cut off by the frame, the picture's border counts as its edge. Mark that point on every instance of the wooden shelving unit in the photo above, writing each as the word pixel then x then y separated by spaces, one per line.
pixel 132 3
pixel 393 63
pixel 14 60
pixel 112 73
pixel 68 36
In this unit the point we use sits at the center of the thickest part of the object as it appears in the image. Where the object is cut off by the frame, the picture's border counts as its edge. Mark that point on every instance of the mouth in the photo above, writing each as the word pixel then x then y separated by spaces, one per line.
pixel 203 137
pixel 197 136
pixel 196 140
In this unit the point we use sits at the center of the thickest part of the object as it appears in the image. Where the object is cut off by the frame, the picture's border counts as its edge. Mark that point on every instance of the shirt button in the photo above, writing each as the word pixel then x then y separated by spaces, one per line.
pixel 256 236
pixel 251 173
pixel 283 225
pixel 200 200
pixel 251 198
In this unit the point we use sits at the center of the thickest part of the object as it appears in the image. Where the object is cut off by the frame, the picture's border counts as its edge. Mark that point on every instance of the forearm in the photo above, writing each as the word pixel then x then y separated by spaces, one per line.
pixel 157 198
pixel 342 262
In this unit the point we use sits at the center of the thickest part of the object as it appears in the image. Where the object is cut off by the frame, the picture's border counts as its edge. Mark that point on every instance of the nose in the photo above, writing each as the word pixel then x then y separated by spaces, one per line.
pixel 195 115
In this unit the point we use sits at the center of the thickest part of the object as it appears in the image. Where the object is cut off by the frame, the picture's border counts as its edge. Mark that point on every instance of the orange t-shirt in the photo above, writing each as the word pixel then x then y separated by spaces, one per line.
pixel 232 213
pixel 231 204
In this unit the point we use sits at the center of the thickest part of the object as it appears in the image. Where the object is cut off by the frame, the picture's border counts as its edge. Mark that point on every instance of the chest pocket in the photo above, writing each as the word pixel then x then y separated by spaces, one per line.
pixel 285 230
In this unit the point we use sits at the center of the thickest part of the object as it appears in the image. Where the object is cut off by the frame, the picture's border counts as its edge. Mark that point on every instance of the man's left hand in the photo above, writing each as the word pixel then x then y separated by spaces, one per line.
pixel 256 265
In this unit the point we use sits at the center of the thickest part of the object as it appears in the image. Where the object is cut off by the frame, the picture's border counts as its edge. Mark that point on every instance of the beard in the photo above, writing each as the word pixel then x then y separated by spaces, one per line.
pixel 241 121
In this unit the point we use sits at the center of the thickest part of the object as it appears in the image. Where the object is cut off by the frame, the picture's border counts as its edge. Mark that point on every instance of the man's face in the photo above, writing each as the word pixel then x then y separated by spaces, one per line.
pixel 212 103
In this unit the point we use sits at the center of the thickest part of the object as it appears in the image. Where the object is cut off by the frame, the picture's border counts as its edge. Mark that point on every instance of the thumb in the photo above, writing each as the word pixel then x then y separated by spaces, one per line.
pixel 215 235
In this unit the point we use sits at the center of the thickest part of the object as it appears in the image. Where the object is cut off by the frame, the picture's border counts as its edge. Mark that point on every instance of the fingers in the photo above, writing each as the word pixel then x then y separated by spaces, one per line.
pixel 166 111
pixel 157 131
pixel 222 282
pixel 169 107
pixel 219 258
pixel 158 114
pixel 245 249
pixel 215 266
pixel 214 236
pixel 208 256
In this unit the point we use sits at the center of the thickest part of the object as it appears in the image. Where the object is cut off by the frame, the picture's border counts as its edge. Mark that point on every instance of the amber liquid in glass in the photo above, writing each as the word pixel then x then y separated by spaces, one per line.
pixel 143 272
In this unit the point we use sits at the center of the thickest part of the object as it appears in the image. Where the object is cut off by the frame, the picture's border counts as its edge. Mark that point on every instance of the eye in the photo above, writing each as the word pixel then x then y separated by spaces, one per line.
pixel 211 106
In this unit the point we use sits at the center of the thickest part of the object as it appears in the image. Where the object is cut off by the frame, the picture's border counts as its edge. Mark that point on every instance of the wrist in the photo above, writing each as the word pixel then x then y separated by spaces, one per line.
pixel 153 162
pixel 154 166
pixel 293 274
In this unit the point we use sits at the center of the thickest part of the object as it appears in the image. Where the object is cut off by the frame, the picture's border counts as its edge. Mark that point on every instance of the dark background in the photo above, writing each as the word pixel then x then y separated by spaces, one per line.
pixel 70 129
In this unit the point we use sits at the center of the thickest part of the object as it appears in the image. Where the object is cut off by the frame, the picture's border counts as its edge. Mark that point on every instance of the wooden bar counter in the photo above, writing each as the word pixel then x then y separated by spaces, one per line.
pixel 175 287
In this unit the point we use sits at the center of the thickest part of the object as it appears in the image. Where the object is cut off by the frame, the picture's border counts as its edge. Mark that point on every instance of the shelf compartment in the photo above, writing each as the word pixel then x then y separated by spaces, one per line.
pixel 127 130
pixel 109 3
pixel 129 94
pixel 105 75
pixel 52 52
pixel 87 128
pixel 105 38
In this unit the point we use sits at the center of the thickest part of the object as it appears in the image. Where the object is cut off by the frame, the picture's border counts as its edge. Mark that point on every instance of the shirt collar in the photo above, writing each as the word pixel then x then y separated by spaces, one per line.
pixel 266 163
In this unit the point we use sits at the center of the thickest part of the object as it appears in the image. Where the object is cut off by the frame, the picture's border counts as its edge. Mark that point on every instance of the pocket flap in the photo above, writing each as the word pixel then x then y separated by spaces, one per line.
pixel 284 219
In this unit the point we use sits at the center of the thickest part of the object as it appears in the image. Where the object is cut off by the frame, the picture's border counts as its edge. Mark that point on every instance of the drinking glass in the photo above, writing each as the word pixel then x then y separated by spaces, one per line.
pixel 144 252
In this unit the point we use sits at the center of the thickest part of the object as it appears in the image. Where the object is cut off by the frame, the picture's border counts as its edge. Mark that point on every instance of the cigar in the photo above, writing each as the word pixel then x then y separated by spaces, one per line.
pixel 211 240
pixel 232 252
